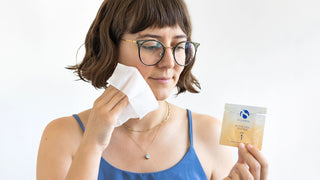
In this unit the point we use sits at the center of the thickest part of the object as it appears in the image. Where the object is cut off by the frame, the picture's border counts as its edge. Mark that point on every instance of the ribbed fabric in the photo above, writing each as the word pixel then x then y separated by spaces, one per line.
pixel 189 168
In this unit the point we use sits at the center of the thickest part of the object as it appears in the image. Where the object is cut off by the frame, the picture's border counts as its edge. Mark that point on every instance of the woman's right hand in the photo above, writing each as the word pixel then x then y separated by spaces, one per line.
pixel 103 117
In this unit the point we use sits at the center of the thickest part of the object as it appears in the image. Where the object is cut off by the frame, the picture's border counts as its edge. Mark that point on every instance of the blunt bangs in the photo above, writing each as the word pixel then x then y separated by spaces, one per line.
pixel 142 14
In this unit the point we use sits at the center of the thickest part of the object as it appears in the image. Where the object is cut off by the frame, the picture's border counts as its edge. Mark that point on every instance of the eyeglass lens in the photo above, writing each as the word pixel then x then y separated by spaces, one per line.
pixel 151 52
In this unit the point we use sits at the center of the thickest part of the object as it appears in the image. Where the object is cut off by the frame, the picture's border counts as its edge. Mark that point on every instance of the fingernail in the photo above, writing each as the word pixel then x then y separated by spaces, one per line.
pixel 241 145
pixel 250 146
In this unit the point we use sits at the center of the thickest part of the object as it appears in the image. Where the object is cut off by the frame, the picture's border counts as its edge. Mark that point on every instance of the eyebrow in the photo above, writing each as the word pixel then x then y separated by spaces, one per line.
pixel 160 37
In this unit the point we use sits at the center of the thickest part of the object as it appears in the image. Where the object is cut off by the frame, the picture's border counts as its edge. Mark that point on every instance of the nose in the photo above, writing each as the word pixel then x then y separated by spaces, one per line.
pixel 167 60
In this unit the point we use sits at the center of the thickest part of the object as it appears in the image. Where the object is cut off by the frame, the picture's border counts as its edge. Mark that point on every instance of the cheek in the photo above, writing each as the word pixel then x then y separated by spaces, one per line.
pixel 128 56
pixel 131 61
pixel 178 70
pixel 144 71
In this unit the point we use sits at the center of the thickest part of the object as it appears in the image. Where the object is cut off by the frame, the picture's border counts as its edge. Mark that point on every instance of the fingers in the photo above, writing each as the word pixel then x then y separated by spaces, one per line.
pixel 240 157
pixel 108 107
pixel 239 171
pixel 253 164
pixel 106 96
pixel 244 172
pixel 110 98
pixel 121 105
pixel 111 102
pixel 235 175
pixel 255 160
pixel 261 159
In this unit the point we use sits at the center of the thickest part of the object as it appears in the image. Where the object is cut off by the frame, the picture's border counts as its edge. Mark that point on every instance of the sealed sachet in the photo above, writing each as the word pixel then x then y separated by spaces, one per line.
pixel 243 124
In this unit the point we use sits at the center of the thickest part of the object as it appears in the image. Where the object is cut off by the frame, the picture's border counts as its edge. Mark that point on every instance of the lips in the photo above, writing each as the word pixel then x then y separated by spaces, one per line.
pixel 162 80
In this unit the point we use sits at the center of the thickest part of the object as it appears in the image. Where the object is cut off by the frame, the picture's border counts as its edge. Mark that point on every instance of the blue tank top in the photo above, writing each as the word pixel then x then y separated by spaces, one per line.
pixel 189 168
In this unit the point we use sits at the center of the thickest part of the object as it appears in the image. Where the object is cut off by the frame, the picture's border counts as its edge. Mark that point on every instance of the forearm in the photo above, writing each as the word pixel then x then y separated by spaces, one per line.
pixel 99 128
pixel 86 162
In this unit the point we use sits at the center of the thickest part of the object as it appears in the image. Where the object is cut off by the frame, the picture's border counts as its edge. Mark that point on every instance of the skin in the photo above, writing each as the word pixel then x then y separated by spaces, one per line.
pixel 67 153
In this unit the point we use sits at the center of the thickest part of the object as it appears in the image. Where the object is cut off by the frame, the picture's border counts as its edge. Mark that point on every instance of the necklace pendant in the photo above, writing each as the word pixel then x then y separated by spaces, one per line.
pixel 147 156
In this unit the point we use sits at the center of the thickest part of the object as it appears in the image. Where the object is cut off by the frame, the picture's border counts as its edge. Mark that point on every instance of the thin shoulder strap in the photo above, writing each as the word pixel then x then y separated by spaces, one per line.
pixel 190 127
pixel 79 121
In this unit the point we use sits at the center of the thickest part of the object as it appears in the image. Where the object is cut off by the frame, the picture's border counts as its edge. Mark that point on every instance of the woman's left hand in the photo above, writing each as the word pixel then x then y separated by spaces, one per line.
pixel 251 164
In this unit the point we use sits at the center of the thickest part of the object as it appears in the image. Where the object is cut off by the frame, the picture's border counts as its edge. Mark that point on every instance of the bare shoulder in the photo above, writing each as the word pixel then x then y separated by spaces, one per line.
pixel 206 126
pixel 59 141
pixel 216 159
pixel 207 133
pixel 65 128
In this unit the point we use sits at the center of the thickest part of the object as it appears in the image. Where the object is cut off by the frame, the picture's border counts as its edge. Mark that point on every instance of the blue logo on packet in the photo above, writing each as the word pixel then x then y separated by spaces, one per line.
pixel 244 114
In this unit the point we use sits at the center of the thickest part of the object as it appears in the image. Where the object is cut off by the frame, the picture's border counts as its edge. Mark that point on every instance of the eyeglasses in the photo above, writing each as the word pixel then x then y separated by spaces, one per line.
pixel 151 52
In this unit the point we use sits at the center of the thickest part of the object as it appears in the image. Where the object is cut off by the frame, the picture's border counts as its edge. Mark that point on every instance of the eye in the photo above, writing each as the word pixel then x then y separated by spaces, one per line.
pixel 151 46
pixel 181 47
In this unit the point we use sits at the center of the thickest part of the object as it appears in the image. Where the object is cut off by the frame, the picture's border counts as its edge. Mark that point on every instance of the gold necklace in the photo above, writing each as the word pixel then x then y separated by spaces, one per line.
pixel 145 151
pixel 147 155
pixel 149 129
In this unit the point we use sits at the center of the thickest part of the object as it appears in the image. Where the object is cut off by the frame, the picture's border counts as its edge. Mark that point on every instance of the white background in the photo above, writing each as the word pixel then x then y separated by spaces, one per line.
pixel 252 52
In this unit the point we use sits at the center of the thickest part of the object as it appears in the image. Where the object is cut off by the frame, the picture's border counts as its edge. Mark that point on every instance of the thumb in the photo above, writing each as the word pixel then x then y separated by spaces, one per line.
pixel 240 155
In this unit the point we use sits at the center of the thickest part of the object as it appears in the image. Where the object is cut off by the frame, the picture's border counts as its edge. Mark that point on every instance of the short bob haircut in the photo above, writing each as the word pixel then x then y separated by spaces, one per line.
pixel 117 17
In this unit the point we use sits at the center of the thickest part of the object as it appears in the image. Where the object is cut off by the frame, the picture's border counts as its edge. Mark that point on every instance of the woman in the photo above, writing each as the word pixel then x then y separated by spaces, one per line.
pixel 168 143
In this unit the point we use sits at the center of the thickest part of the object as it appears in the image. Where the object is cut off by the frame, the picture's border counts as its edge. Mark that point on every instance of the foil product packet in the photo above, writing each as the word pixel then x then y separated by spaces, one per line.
pixel 243 124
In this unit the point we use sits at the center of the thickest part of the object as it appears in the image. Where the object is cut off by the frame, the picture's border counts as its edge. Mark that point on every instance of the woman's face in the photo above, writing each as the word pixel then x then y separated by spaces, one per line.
pixel 162 77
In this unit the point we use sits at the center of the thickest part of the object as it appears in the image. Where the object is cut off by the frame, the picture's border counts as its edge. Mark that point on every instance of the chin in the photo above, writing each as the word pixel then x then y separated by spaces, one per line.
pixel 161 96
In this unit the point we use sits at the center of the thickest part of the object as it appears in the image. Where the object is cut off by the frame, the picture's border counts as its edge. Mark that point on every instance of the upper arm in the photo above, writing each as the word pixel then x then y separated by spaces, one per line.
pixel 56 150
pixel 222 155
pixel 216 159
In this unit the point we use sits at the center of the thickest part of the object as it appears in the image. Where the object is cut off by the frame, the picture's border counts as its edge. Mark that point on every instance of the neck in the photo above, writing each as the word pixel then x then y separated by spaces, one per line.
pixel 150 120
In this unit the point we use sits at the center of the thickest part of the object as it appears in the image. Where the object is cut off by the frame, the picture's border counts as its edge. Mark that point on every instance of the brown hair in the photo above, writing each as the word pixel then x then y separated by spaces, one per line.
pixel 117 17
